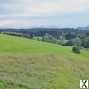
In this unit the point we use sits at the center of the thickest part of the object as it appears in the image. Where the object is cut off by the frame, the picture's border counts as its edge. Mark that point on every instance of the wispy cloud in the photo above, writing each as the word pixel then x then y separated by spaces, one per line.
pixel 59 6
pixel 36 12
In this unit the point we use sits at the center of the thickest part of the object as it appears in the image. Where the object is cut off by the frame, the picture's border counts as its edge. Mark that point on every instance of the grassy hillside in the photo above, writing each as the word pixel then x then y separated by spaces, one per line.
pixel 31 64
pixel 18 44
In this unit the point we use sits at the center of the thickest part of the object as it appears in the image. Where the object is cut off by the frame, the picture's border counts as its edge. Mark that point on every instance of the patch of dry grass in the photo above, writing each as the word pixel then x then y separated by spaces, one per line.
pixel 42 71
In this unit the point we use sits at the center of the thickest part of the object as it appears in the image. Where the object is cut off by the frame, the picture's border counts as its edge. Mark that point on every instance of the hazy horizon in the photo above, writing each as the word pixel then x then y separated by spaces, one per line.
pixel 46 13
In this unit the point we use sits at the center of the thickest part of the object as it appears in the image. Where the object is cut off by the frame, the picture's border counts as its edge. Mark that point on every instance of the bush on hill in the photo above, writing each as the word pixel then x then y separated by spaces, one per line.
pixel 76 49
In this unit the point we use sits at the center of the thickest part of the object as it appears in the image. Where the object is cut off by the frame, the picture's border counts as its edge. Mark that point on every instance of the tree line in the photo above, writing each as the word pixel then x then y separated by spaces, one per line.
pixel 66 37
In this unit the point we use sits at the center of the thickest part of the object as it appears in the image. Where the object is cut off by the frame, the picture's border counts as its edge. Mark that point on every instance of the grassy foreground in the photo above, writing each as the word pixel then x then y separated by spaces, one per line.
pixel 30 64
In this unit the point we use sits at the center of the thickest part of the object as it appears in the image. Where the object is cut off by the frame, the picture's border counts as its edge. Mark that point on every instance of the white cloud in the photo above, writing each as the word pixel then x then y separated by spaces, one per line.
pixel 14 12
pixel 14 23
pixel 59 6
pixel 48 7
pixel 25 23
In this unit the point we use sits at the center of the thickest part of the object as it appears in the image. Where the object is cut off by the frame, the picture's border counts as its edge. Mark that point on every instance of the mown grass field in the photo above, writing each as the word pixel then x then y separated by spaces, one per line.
pixel 31 64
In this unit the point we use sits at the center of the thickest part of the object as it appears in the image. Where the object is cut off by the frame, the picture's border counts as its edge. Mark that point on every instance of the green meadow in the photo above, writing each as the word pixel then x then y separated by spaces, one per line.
pixel 32 64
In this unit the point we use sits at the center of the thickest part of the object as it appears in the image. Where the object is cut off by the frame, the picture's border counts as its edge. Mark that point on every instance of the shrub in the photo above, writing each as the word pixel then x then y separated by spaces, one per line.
pixel 76 49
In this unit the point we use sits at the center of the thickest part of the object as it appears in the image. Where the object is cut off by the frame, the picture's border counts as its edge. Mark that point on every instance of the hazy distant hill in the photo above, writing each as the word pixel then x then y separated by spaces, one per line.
pixel 42 31
pixel 83 28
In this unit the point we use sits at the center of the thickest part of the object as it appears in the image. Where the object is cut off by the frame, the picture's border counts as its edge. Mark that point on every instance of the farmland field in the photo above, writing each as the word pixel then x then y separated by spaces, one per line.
pixel 31 64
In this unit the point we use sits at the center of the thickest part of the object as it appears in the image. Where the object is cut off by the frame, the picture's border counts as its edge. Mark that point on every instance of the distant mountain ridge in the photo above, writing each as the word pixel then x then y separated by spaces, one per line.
pixel 83 28
pixel 45 30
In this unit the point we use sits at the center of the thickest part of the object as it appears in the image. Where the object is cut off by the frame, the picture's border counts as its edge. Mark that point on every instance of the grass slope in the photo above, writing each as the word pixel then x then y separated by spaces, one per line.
pixel 18 44
pixel 30 64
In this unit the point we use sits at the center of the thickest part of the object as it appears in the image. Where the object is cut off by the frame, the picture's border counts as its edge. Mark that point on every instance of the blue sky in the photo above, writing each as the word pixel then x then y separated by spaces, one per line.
pixel 44 13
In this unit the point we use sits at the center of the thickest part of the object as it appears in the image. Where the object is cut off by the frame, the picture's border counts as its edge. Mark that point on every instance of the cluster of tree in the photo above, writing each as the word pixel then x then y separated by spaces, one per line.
pixel 76 40
pixel 18 34
pixel 68 39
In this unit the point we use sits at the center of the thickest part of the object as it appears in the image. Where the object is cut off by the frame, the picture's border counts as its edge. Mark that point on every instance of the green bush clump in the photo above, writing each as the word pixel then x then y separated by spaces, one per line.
pixel 76 49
